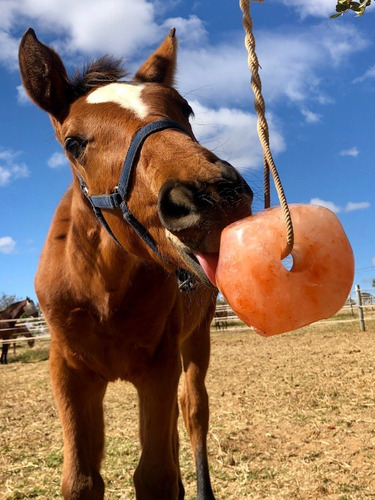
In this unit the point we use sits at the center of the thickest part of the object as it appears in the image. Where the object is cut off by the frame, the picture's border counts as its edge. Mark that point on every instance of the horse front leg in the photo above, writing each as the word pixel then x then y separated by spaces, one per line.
pixel 194 403
pixel 157 476
pixel 79 397
pixel 4 354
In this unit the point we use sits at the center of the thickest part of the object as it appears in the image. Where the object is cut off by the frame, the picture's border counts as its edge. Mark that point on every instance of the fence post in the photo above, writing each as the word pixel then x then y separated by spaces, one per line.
pixel 360 308
pixel 351 305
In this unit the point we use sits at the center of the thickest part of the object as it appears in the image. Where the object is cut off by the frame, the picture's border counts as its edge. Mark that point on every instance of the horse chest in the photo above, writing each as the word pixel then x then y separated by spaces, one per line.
pixel 121 346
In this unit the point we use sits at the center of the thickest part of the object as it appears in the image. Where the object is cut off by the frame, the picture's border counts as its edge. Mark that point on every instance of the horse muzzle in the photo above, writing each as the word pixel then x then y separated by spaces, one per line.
pixel 195 212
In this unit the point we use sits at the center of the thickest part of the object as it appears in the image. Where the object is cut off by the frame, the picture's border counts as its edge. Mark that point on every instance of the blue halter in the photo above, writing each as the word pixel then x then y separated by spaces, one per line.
pixel 120 194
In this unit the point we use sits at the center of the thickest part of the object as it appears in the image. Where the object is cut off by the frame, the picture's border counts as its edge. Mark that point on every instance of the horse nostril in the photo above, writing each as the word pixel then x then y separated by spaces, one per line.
pixel 233 181
pixel 228 172
pixel 176 206
pixel 186 205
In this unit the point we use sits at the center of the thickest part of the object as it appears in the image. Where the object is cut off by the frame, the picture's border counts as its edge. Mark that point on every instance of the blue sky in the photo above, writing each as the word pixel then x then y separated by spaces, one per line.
pixel 318 79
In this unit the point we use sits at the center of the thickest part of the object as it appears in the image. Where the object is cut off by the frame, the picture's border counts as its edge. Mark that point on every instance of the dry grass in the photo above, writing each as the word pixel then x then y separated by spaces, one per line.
pixel 292 417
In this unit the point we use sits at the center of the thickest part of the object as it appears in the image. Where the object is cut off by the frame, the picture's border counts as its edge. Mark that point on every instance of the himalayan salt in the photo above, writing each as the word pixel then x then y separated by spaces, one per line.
pixel 262 292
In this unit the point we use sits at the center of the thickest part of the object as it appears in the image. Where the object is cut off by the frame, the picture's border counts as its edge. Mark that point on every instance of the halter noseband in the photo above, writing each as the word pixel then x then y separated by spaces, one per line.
pixel 120 195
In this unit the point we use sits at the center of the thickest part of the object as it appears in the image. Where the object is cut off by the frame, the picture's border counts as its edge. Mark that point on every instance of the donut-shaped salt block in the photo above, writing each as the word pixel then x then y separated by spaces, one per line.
pixel 262 292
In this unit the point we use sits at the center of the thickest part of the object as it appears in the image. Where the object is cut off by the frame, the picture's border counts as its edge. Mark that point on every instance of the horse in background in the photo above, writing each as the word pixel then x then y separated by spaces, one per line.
pixel 9 330
pixel 221 321
pixel 121 279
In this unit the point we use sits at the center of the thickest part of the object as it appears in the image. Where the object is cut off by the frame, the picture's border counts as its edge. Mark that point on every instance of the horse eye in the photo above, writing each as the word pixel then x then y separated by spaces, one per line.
pixel 75 146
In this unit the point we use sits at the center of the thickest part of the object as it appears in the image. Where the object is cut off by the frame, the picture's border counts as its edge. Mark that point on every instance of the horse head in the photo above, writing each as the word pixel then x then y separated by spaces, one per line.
pixel 31 343
pixel 30 308
pixel 180 194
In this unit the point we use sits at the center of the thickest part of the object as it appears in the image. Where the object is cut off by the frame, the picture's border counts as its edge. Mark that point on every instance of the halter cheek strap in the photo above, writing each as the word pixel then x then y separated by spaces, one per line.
pixel 119 197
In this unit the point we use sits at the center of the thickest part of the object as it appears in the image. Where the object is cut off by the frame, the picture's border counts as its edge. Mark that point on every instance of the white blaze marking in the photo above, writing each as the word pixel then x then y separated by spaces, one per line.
pixel 127 95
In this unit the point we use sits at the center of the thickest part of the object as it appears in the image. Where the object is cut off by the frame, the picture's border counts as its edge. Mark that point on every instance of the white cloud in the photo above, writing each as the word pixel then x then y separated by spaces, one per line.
pixel 215 75
pixel 7 244
pixel 327 204
pixel 57 160
pixel 130 23
pixel 350 206
pixel 310 117
pixel 10 169
pixel 370 73
pixel 350 152
pixel 4 176
pixel 9 49
pixel 22 97
pixel 292 65
pixel 316 8
pixel 291 61
pixel 325 99
pixel 231 134
pixel 190 31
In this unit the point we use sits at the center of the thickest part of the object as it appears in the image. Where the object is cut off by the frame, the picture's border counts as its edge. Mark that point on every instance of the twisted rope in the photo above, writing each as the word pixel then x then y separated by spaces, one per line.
pixel 262 127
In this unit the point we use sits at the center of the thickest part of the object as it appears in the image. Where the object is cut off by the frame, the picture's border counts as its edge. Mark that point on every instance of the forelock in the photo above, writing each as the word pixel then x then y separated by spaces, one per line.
pixel 100 72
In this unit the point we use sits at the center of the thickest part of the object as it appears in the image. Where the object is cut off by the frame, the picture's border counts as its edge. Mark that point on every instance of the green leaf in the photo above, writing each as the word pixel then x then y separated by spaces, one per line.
pixel 342 7
pixel 358 7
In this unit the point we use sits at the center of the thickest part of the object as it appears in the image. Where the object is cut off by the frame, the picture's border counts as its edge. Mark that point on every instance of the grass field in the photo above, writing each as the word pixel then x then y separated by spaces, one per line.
pixel 292 417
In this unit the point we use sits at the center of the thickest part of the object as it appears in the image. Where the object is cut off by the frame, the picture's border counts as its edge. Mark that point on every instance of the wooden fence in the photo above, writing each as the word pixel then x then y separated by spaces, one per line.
pixel 359 308
pixel 36 326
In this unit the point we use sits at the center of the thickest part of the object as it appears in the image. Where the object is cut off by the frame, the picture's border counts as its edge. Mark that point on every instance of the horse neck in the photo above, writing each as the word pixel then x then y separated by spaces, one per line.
pixel 14 311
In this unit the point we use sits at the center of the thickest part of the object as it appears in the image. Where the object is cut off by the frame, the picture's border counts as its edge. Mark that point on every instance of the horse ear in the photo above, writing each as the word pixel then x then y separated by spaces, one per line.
pixel 160 67
pixel 44 76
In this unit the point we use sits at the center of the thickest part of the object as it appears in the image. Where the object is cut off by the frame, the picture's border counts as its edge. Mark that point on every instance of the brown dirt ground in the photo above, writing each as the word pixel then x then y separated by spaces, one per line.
pixel 292 417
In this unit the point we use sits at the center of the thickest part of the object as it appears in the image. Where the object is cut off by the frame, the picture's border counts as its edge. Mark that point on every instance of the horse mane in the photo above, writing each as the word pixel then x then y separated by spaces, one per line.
pixel 14 304
pixel 10 309
pixel 102 71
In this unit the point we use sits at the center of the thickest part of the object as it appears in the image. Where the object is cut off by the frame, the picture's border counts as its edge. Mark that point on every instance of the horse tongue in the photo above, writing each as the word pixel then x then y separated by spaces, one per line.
pixel 208 261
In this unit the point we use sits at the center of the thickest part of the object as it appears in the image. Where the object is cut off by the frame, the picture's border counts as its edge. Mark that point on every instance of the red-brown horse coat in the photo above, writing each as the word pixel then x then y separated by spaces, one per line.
pixel 117 313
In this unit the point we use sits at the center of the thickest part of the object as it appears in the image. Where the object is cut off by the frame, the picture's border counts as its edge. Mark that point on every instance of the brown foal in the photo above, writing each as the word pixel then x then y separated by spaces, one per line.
pixel 107 285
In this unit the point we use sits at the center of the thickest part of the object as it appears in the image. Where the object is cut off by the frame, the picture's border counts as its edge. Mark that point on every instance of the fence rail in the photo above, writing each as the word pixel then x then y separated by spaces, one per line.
pixel 36 327
pixel 362 310
pixel 360 305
